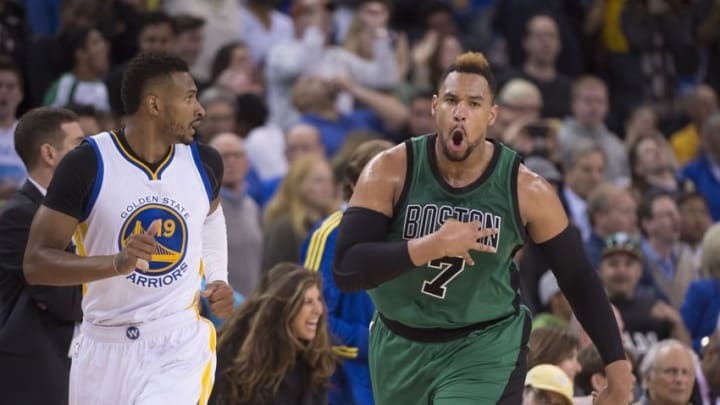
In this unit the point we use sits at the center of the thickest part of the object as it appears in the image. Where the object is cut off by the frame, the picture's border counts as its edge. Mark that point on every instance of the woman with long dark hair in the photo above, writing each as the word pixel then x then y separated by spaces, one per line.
pixel 275 349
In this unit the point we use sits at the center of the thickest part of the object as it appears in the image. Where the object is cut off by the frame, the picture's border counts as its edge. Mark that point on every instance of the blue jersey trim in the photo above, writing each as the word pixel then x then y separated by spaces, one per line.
pixel 201 170
pixel 98 180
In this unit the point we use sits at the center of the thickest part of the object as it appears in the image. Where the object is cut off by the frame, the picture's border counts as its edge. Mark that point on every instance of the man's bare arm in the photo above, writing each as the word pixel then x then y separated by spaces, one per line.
pixel 46 261
pixel 548 225
pixel 379 186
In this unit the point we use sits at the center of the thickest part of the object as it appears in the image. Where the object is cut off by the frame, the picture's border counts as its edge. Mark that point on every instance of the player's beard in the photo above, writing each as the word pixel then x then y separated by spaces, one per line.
pixel 454 158
pixel 181 133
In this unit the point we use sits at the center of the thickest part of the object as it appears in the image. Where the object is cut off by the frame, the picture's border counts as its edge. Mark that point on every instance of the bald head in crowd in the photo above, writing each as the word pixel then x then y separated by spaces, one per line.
pixel 236 165
pixel 519 99
pixel 301 140
pixel 701 104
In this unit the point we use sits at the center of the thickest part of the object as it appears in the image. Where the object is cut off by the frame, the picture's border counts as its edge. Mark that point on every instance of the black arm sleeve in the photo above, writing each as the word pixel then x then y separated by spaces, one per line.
pixel 72 181
pixel 582 287
pixel 364 258
pixel 212 162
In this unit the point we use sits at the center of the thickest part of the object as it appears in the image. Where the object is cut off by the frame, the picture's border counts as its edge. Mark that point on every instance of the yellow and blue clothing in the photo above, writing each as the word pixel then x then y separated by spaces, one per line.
pixel 685 143
pixel 349 316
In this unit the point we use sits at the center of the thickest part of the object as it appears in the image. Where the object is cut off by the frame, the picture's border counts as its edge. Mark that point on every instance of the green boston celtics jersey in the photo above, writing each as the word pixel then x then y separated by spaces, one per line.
pixel 449 293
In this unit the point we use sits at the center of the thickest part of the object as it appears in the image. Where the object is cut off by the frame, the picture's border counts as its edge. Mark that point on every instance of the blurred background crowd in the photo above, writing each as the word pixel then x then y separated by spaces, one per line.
pixel 614 102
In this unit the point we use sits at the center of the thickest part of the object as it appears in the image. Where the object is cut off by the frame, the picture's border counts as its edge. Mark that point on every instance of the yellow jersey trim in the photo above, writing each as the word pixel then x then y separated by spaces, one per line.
pixel 153 175
pixel 207 375
pixel 319 240
pixel 78 239
pixel 345 352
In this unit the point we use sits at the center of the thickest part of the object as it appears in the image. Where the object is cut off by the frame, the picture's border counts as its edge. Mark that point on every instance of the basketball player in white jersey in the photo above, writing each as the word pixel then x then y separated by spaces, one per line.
pixel 142 206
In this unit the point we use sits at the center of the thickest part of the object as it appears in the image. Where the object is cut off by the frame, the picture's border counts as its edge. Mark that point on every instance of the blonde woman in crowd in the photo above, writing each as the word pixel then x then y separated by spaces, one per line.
pixel 275 349
pixel 305 196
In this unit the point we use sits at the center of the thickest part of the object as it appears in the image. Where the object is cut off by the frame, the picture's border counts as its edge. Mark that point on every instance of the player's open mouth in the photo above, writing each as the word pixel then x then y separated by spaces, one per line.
pixel 457 136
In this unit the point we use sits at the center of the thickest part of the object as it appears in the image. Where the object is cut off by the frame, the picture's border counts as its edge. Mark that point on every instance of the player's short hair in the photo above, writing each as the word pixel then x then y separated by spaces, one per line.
pixel 37 127
pixel 472 62
pixel 144 69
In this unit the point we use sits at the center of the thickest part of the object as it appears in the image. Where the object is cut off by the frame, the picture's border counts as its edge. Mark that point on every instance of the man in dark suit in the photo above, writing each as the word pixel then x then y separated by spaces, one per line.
pixel 36 322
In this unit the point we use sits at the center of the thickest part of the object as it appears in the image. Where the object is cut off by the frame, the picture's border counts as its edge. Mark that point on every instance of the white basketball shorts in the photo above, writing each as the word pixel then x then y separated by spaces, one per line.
pixel 166 361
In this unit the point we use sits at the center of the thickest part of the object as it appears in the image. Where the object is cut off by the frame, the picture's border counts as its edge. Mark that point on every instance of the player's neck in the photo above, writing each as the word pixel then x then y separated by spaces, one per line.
pixel 145 141
pixel 461 174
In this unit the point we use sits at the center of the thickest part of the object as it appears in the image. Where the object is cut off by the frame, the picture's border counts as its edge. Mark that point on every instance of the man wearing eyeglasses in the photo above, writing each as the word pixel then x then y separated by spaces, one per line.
pixel 668 374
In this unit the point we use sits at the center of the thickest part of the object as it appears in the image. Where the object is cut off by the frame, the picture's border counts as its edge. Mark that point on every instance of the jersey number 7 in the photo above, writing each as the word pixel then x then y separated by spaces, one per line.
pixel 450 268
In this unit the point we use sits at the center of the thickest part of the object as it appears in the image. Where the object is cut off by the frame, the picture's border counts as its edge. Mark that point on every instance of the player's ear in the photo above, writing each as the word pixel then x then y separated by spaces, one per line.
pixel 492 114
pixel 434 105
pixel 152 104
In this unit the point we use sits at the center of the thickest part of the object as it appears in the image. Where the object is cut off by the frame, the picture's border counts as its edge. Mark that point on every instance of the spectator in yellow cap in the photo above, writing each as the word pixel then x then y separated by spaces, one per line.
pixel 546 384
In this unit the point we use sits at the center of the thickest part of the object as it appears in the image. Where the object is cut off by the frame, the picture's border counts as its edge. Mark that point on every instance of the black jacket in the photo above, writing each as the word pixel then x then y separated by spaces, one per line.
pixel 36 322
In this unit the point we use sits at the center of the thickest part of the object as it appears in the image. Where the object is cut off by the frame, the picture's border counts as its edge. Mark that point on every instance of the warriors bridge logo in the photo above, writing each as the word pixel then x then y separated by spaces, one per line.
pixel 167 263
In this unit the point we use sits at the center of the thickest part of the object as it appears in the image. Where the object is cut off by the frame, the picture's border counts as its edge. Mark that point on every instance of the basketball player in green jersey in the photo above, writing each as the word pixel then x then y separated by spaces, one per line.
pixel 431 231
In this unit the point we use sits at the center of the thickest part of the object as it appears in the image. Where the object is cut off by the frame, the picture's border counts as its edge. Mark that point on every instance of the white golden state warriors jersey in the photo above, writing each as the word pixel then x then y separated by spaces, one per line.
pixel 126 198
